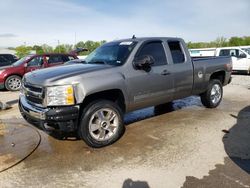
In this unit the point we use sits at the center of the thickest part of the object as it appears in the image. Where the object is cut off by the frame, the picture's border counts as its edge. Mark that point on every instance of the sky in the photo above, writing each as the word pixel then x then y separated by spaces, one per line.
pixel 40 22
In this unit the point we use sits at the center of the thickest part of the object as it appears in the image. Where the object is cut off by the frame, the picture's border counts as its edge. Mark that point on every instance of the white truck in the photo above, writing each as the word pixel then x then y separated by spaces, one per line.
pixel 240 56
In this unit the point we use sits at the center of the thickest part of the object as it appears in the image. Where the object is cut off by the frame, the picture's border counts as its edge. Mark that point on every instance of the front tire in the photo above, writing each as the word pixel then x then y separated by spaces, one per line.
pixel 13 83
pixel 101 123
pixel 213 96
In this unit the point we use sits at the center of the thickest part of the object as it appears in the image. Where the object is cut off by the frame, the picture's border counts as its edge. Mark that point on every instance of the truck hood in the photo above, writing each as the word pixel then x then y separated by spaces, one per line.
pixel 50 76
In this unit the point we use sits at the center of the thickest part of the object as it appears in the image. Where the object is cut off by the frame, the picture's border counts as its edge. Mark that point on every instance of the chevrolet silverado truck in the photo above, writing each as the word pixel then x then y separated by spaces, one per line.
pixel 120 76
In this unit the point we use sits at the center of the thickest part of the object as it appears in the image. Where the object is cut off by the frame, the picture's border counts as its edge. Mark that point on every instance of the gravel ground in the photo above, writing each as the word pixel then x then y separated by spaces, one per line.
pixel 189 147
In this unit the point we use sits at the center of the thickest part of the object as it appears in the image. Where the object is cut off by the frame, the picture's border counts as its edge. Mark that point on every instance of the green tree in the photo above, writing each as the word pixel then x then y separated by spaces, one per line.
pixel 38 49
pixel 22 51
pixel 68 47
pixel 90 45
pixel 220 42
pixel 46 48
pixel 236 41
pixel 80 45
pixel 247 40
pixel 60 49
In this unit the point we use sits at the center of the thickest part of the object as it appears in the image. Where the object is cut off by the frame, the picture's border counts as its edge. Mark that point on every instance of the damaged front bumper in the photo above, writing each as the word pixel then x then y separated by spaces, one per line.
pixel 57 118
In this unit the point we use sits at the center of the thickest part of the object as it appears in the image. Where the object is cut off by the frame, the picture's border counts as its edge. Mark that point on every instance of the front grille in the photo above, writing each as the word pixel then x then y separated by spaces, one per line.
pixel 34 99
pixel 34 94
pixel 33 88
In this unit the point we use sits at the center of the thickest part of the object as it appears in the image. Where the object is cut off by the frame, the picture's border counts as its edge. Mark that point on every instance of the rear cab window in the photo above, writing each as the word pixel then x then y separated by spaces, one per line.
pixel 176 51
pixel 53 59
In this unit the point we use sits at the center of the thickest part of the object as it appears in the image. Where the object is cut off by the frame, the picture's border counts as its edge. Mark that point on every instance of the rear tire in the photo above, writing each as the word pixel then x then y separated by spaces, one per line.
pixel 13 83
pixel 101 123
pixel 213 96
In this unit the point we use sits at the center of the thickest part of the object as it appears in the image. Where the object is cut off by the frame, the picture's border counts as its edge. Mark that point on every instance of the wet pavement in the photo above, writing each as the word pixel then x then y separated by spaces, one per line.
pixel 17 143
pixel 178 145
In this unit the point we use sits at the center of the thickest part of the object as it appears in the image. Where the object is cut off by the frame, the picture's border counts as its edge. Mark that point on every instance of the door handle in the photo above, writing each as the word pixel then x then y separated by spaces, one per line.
pixel 165 72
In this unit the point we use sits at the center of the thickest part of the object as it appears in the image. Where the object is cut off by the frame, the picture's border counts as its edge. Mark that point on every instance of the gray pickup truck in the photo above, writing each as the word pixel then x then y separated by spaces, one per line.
pixel 118 77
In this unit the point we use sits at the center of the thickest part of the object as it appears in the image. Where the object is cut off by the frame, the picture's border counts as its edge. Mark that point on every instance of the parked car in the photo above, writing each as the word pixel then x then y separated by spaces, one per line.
pixel 10 57
pixel 119 77
pixel 11 76
pixel 4 62
pixel 75 61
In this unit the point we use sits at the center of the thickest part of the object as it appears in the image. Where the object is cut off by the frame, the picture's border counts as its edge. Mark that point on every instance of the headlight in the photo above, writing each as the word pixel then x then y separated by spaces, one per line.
pixel 60 95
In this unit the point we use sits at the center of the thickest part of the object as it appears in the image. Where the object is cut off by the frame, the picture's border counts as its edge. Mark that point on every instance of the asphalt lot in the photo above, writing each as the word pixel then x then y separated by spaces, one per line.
pixel 183 146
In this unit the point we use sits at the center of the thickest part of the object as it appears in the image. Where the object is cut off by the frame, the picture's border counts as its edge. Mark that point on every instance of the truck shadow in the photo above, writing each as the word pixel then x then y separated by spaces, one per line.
pixel 237 140
pixel 147 113
pixel 140 115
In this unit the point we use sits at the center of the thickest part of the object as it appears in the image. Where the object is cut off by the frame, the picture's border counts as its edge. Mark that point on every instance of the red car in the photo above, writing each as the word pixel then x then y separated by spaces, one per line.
pixel 11 76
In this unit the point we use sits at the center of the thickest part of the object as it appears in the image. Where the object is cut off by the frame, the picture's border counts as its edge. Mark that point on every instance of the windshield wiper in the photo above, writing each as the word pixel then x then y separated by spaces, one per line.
pixel 98 62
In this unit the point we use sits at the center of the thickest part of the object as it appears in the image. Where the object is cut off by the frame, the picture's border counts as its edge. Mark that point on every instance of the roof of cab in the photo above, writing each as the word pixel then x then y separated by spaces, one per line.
pixel 141 39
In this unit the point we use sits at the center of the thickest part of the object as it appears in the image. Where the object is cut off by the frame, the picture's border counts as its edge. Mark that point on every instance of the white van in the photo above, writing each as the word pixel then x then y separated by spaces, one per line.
pixel 240 58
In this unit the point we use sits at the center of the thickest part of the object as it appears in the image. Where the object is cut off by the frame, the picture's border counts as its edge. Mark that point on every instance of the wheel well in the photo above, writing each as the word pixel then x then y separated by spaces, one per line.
pixel 114 95
pixel 219 76
pixel 12 75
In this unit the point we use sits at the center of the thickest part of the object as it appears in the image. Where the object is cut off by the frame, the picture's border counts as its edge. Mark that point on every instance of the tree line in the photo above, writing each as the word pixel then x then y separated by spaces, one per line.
pixel 23 50
pixel 221 42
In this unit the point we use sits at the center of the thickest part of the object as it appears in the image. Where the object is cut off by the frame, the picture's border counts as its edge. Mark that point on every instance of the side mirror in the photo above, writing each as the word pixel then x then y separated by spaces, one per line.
pixel 242 55
pixel 25 65
pixel 144 62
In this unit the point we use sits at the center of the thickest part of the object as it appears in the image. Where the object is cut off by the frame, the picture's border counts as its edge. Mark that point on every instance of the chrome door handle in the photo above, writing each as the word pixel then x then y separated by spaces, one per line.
pixel 165 72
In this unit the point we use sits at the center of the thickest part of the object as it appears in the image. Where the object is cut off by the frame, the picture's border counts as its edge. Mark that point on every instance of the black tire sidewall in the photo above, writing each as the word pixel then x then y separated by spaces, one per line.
pixel 7 80
pixel 83 129
pixel 206 97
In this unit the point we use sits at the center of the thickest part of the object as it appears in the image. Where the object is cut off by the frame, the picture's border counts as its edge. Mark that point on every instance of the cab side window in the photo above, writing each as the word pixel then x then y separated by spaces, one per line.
pixel 224 53
pixel 155 50
pixel 36 62
pixel 230 52
pixel 176 52
pixel 54 59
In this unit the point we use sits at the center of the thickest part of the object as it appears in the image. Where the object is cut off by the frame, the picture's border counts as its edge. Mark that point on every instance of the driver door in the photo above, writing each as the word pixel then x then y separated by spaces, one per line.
pixel 34 64
pixel 153 87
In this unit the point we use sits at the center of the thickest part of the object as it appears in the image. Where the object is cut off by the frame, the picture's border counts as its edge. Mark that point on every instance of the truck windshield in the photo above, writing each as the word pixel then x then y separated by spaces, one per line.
pixel 113 53
pixel 20 61
pixel 247 50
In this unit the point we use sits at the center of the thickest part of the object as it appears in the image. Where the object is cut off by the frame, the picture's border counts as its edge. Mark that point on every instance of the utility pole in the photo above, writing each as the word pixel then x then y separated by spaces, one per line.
pixel 75 39
pixel 58 43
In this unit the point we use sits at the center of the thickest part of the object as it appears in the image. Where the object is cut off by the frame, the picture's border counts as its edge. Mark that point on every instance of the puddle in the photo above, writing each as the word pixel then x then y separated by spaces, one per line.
pixel 17 143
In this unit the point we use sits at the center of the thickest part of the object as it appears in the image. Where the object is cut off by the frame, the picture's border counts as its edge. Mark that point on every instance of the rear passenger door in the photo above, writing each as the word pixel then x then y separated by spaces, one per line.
pixel 54 60
pixel 181 67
